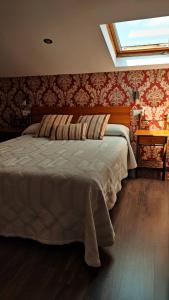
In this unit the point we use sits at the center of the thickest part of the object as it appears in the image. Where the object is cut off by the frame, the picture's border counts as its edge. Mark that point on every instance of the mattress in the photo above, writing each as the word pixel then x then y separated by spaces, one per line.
pixel 58 192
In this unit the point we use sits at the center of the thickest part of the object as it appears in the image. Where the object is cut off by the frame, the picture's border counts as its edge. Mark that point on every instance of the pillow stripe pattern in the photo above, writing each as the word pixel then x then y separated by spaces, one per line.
pixel 48 121
pixel 96 125
pixel 69 132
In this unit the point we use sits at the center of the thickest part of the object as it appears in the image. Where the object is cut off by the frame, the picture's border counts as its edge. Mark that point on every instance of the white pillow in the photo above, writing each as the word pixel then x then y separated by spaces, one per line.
pixel 116 129
pixel 32 129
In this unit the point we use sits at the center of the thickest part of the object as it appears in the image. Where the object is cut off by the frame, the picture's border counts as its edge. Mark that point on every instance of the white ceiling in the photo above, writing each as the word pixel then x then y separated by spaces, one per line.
pixel 78 45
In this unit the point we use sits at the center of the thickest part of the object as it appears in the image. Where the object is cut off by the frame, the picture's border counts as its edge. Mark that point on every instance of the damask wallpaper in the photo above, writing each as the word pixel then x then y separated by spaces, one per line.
pixel 105 89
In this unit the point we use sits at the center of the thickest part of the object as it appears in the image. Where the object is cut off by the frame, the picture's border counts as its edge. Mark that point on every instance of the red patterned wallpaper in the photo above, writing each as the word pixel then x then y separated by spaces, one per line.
pixel 84 89
pixel 87 89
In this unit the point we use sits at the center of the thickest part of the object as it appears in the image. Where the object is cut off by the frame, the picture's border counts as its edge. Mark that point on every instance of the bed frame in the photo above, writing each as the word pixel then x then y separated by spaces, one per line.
pixel 118 114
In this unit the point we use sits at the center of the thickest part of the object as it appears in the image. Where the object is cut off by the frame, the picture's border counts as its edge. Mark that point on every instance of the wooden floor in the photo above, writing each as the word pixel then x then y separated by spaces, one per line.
pixel 136 267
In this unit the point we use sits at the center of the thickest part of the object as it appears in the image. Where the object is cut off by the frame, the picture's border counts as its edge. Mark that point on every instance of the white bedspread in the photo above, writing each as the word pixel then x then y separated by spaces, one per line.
pixel 57 192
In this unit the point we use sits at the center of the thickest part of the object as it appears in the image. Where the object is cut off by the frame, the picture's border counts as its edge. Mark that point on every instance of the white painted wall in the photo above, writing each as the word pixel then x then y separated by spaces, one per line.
pixel 73 25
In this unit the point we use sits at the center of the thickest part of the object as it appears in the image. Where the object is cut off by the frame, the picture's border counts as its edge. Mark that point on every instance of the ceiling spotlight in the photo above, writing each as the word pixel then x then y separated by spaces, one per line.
pixel 48 41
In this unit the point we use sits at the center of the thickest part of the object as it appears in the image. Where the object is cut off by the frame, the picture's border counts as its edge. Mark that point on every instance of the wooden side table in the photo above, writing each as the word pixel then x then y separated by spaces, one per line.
pixel 9 133
pixel 153 138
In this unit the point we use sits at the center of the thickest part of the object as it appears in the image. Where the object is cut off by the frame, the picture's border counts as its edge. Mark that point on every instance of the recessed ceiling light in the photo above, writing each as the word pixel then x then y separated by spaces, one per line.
pixel 48 41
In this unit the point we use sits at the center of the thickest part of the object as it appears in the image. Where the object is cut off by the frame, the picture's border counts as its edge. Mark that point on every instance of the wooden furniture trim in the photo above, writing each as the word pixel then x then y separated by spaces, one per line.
pixel 9 133
pixel 153 133
pixel 11 130
pixel 164 134
pixel 118 114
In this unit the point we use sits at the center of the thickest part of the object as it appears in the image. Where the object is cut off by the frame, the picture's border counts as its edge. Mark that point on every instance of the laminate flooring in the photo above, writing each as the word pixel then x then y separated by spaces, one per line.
pixel 136 267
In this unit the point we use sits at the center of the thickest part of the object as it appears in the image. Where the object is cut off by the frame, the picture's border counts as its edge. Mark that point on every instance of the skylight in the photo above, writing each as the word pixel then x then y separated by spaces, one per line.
pixel 146 35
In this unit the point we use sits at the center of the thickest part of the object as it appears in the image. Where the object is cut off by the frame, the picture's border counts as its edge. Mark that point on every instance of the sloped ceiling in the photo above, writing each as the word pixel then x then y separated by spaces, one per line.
pixel 73 25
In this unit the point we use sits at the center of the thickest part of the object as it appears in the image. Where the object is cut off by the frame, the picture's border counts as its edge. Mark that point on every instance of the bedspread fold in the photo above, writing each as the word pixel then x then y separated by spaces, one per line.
pixel 57 192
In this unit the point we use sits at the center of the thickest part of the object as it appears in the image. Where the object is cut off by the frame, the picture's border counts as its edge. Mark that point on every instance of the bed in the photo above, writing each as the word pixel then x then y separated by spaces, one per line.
pixel 58 192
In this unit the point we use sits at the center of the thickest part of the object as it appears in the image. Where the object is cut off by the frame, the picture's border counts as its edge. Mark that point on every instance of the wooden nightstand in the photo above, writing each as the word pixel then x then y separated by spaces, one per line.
pixel 9 133
pixel 153 138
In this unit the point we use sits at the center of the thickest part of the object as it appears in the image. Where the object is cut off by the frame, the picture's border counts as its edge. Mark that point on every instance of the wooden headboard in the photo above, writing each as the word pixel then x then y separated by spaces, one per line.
pixel 119 114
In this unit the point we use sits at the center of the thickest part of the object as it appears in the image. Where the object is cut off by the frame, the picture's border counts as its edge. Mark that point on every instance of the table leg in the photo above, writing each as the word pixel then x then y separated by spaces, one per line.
pixel 137 154
pixel 164 159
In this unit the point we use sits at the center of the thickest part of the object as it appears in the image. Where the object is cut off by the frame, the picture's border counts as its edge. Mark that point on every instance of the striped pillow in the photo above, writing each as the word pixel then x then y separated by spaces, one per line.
pixel 48 121
pixel 96 125
pixel 69 132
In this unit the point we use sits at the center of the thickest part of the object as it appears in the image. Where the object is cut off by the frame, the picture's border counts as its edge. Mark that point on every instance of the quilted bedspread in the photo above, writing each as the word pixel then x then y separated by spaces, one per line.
pixel 57 192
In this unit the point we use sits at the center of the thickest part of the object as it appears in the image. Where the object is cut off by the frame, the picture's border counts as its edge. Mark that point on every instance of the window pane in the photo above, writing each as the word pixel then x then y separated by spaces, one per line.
pixel 154 31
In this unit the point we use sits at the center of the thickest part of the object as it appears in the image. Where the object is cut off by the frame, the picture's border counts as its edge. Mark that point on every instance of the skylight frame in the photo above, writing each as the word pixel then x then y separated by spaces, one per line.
pixel 132 50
